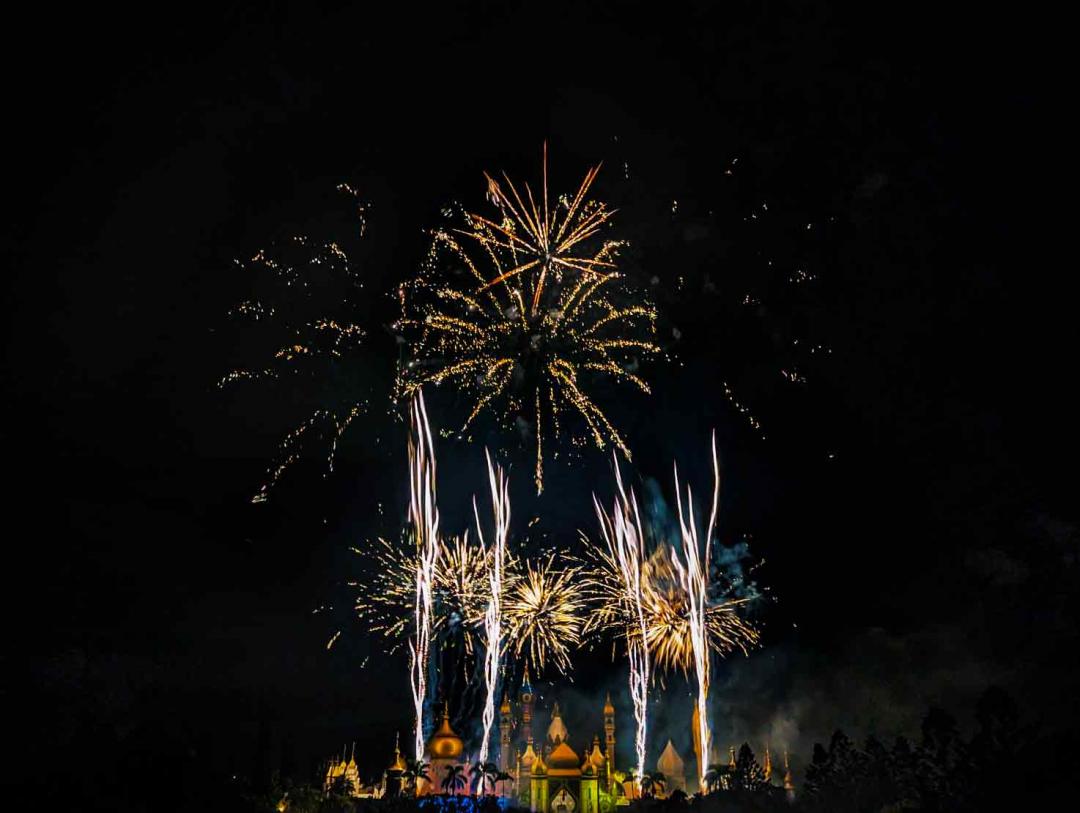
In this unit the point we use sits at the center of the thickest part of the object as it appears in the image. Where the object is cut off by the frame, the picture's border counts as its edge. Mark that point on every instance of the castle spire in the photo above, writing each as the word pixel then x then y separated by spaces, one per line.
pixel 767 767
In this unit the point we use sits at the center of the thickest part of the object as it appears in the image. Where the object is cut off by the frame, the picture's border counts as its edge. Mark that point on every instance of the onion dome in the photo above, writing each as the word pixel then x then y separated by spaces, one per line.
pixel 505 707
pixel 538 766
pixel 445 744
pixel 608 708
pixel 529 756
pixel 595 757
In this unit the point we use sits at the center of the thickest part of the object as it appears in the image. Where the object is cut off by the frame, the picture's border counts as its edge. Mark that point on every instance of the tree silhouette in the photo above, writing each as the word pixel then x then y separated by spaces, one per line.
pixel 748 774
pixel 455 779
pixel 714 777
pixel 651 782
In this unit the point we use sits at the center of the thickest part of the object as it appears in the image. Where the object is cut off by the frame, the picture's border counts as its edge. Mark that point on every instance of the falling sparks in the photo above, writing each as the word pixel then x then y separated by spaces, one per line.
pixel 500 501
pixel 311 348
pixel 522 312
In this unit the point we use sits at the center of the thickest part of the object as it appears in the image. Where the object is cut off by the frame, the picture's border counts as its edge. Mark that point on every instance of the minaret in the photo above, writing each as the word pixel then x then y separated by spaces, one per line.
pixel 526 704
pixel 504 735
pixel 767 766
pixel 609 742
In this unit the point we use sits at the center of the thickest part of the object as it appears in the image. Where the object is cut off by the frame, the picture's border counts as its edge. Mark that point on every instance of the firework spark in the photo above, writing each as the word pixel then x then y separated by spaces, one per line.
pixel 306 288
pixel 500 502
pixel 538 314
pixel 545 611
pixel 424 516
pixel 625 541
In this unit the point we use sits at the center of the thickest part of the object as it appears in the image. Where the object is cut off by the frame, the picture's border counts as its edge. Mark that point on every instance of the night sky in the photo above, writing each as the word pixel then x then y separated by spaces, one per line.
pixel 912 501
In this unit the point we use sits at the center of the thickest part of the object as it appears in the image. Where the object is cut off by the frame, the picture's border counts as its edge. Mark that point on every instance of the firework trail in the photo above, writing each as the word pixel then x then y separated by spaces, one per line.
pixel 625 541
pixel 536 317
pixel 693 571
pixel 424 516
pixel 500 502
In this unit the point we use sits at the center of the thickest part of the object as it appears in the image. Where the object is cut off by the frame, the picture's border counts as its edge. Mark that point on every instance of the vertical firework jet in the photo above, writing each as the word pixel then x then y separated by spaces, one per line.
pixel 424 516
pixel 693 571
pixel 500 504
pixel 625 542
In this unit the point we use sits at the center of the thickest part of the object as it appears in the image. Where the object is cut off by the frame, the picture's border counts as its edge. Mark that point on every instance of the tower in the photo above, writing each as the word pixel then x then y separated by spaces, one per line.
pixel 609 742
pixel 538 787
pixel 526 704
pixel 504 735
pixel 767 766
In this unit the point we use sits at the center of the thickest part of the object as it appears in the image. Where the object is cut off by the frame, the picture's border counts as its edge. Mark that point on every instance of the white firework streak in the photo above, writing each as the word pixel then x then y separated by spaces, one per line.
pixel 424 516
pixel 500 504
pixel 626 544
pixel 693 572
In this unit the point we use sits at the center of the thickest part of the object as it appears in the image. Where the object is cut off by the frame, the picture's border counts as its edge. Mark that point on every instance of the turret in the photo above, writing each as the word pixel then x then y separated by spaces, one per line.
pixel 527 697
pixel 609 742
pixel 504 734
pixel 766 767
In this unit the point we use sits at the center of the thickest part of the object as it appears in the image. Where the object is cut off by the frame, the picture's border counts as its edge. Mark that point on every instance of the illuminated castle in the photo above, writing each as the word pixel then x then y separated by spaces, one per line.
pixel 546 775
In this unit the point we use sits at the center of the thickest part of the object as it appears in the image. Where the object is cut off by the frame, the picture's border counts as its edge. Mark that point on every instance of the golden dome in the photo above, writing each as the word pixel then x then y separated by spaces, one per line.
pixel 529 757
pixel 670 763
pixel 608 708
pixel 597 758
pixel 445 744
pixel 562 761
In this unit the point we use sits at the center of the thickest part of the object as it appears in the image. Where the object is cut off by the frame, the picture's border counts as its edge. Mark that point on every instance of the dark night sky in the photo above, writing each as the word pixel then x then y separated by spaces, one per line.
pixel 155 615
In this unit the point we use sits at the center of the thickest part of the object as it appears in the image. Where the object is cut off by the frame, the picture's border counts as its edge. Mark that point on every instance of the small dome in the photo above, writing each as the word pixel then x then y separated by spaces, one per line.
pixel 608 708
pixel 445 744
pixel 529 756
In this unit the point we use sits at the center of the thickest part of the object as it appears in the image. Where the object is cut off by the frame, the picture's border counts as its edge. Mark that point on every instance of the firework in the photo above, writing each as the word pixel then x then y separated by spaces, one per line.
pixel 424 517
pixel 500 503
pixel 306 290
pixel 625 542
pixel 693 571
pixel 523 311
pixel 545 611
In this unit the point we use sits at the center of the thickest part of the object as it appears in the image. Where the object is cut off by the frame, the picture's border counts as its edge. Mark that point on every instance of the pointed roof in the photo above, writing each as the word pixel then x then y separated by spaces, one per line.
pixel 789 783
pixel 670 763
pixel 563 761
pixel 398 764
pixel 608 708
pixel 557 730
pixel 505 707
pixel 767 766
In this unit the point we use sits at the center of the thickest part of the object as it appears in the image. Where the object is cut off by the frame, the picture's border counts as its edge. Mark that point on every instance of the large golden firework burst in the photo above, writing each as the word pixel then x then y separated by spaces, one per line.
pixel 666 610
pixel 524 310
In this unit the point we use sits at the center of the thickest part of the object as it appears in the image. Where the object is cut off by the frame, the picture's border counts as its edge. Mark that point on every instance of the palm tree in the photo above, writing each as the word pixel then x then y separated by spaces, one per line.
pixel 484 776
pixel 652 781
pixel 455 778
pixel 416 769
pixel 713 777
